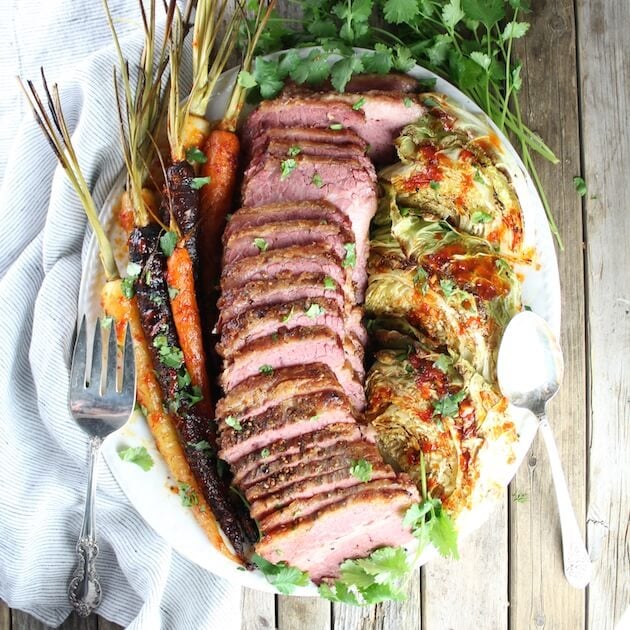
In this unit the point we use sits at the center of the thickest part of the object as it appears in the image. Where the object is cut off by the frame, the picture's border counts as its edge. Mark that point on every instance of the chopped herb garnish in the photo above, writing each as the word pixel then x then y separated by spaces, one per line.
pixel 580 186
pixel 336 126
pixel 195 156
pixel 187 495
pixel 502 265
pixel 284 577
pixel 449 405
pixel 404 211
pixel 133 269
pixel 350 259
pixel 448 286
pixel 137 455
pixel 293 151
pixel 359 104
pixel 362 470
pixel 434 185
pixel 202 445
pixel 407 102
pixel 261 244
pixel 329 283
pixel 520 497
pixel 106 322
pixel 199 182
pixel 168 240
pixel 317 180
pixel 420 279
pixel 314 311
pixel 427 85
pixel 173 292
pixel 267 370
pixel 443 363
pixel 478 178
pixel 479 216
pixel 170 356
pixel 287 167
pixel 233 422
pixel 265 452
pixel 314 418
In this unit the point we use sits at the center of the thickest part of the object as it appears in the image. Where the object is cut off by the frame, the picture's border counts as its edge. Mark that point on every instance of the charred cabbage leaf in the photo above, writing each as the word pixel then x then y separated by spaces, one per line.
pixel 451 167
pixel 451 285
pixel 434 406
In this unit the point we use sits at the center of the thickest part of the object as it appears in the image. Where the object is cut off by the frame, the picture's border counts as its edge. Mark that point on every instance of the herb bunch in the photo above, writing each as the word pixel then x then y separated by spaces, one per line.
pixel 468 42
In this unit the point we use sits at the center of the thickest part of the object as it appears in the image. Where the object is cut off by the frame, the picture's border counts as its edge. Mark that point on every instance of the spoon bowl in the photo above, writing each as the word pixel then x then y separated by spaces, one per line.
pixel 529 370
pixel 530 365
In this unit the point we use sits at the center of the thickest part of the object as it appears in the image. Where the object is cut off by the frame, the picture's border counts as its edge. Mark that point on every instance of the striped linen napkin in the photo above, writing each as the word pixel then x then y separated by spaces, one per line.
pixel 43 454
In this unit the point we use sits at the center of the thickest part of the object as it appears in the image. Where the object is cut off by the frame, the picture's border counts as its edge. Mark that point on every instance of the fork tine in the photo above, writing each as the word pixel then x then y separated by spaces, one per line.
pixel 94 377
pixel 129 365
pixel 111 380
pixel 77 375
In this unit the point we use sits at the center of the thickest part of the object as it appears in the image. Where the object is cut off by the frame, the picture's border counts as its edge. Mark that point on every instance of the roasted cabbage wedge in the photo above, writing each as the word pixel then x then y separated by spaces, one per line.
pixel 453 286
pixel 452 166
pixel 434 403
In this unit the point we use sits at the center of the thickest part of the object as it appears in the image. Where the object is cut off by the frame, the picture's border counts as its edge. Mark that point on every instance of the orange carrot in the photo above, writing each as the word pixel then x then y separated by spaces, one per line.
pixel 181 282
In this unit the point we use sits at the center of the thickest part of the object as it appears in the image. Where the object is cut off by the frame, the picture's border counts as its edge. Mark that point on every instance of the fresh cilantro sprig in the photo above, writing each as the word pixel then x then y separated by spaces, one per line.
pixel 430 523
pixel 284 577
pixel 370 580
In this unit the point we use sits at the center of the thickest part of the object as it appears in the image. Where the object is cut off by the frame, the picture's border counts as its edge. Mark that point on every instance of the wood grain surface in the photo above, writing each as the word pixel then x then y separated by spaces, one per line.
pixel 576 95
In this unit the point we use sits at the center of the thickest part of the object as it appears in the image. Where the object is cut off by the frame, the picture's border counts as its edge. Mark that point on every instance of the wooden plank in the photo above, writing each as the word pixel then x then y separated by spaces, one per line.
pixel 386 616
pixel 604 51
pixel 103 624
pixel 258 610
pixel 477 583
pixel 295 613
pixel 540 597
pixel 5 616
pixel 23 621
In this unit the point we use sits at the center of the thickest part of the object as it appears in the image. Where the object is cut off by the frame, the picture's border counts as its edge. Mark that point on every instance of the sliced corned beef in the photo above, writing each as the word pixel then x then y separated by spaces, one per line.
pixel 285 348
pixel 286 420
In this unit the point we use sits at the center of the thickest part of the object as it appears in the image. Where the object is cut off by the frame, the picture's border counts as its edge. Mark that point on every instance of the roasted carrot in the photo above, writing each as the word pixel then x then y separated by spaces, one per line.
pixel 161 424
pixel 181 286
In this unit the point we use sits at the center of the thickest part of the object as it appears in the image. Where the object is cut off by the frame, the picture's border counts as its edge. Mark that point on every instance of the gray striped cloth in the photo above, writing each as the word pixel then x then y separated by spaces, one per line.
pixel 43 454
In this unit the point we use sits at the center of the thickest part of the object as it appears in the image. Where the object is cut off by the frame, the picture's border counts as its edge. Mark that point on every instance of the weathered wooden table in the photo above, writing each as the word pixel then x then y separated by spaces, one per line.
pixel 577 95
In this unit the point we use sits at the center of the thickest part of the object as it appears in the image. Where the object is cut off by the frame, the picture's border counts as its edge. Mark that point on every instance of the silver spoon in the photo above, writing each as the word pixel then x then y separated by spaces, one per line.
pixel 530 369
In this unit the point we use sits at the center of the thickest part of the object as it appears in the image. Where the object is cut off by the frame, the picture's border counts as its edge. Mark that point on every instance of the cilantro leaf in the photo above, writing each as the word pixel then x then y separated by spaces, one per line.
pixel 399 11
pixel 187 495
pixel 233 422
pixel 514 30
pixel 168 241
pixel 350 259
pixel 359 104
pixel 261 244
pixel 580 186
pixel 246 79
pixel 202 445
pixel 287 167
pixel 199 182
pixel 448 286
pixel 195 156
pixel 342 71
pixel 284 577
pixel 479 216
pixel 488 12
pixel 452 14
pixel 267 370
pixel 329 283
pixel 137 455
pixel 362 470
pixel 293 151
pixel 443 363
pixel 317 180
pixel 449 405
pixel 268 76
pixel 314 311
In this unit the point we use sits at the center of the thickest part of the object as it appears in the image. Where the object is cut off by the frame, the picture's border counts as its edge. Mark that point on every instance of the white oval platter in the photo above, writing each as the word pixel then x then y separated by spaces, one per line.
pixel 151 492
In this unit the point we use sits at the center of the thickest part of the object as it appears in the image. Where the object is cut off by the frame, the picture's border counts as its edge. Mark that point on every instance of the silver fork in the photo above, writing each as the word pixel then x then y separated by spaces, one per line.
pixel 101 401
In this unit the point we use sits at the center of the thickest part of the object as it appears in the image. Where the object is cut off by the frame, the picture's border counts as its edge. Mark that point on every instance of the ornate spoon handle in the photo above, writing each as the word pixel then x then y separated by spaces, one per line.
pixel 84 590
pixel 577 564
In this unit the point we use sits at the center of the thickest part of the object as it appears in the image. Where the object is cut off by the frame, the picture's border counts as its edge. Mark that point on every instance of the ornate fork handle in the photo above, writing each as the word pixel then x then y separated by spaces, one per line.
pixel 84 590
